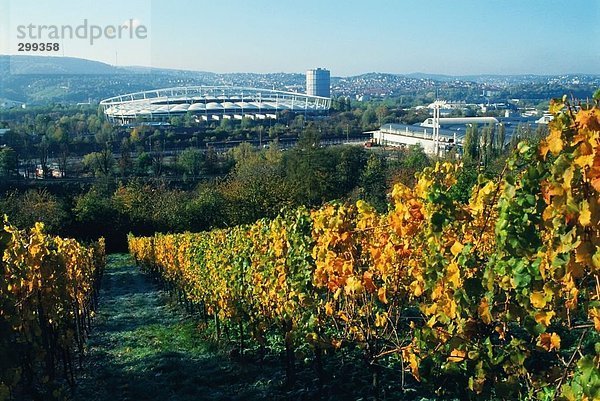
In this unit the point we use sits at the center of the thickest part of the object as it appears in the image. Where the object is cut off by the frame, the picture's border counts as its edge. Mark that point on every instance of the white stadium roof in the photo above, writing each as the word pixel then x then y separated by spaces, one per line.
pixel 209 102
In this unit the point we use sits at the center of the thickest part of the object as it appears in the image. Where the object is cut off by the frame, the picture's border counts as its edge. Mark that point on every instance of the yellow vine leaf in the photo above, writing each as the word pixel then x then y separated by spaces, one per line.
pixel 409 356
pixel 538 299
pixel 417 288
pixel 589 119
pixel 594 172
pixel 329 309
pixel 456 248
pixel 484 311
pixel 344 316
pixel 381 319
pixel 549 341
pixel 585 215
pixel 457 355
pixel 595 316
pixel 596 259
pixel 381 294
pixel 544 318
pixel 553 143
pixel 453 274
pixel 586 155
pixel 501 332
pixel 353 286
pixel 368 281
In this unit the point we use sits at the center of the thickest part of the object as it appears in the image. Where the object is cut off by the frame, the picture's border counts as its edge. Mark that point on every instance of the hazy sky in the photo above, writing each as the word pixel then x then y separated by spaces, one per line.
pixel 348 37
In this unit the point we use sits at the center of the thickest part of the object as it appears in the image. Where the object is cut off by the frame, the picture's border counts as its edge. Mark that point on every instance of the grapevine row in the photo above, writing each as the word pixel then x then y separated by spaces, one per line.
pixel 48 291
pixel 499 295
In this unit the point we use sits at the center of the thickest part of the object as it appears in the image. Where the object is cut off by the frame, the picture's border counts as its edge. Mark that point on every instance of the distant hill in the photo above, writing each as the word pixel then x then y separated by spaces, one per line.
pixel 42 79
pixel 435 77
pixel 46 65
pixel 45 79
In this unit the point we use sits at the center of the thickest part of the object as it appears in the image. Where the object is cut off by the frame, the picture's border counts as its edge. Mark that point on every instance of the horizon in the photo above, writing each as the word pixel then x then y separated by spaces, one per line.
pixel 461 38
pixel 407 74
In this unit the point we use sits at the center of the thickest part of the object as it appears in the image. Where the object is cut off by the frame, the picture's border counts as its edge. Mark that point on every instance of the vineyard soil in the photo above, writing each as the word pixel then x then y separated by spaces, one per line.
pixel 144 348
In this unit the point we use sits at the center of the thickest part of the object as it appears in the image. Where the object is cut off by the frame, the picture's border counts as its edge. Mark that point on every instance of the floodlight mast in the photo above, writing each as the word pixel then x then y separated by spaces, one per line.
pixel 436 127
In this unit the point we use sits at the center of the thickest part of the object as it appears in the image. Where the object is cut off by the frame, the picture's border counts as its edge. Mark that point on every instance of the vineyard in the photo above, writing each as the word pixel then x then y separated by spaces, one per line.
pixel 47 296
pixel 496 297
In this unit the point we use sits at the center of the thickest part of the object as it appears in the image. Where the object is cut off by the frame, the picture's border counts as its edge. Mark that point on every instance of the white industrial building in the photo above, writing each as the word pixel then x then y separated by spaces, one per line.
pixel 432 142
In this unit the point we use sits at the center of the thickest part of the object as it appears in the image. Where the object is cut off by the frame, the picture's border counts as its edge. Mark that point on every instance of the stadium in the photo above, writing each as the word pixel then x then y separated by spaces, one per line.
pixel 207 103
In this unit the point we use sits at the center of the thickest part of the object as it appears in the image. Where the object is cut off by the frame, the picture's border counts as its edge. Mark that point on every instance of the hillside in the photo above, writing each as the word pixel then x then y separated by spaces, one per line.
pixel 47 65
pixel 43 80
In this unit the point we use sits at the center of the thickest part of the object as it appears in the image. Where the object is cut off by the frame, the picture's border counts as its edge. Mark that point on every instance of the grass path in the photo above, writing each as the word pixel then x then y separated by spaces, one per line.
pixel 144 348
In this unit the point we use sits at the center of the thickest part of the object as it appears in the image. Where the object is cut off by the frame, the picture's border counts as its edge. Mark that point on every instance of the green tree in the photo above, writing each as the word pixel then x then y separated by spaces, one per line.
pixel 351 162
pixel 190 161
pixel 381 112
pixel 57 134
pixel 309 138
pixel 158 149
pixel 8 162
pixel 471 145
pixel 143 163
pixel 409 162
pixel 105 136
pixel 247 123
pixel 242 152
pixel 311 174
pixel 523 132
pixel 415 159
pixel 501 139
pixel 226 124
pixel 368 118
pixel 488 141
pixel 211 161
pixel 93 124
pixel 43 152
pixel 256 188
pixel 26 208
pixel 373 182
pixel 176 121
pixel 206 209
pixel 125 162
pixel 63 158
pixel 188 119
pixel 96 214
pixel 101 163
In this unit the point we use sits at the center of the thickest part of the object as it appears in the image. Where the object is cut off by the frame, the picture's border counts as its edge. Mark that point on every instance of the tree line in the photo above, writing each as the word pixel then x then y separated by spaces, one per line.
pixel 258 183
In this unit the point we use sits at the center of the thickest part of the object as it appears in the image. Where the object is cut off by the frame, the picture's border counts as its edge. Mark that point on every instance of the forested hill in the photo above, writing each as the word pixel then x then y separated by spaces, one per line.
pixel 47 65
pixel 44 79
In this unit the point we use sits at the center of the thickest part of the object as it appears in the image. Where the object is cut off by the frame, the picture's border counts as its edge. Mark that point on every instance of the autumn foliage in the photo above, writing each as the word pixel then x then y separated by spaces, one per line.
pixel 499 295
pixel 48 288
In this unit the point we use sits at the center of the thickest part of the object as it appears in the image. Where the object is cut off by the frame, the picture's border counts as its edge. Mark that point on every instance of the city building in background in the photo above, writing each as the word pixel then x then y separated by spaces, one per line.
pixel 318 82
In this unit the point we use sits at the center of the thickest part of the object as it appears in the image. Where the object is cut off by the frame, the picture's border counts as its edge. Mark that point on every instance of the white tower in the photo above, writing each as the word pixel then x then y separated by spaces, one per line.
pixel 318 82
